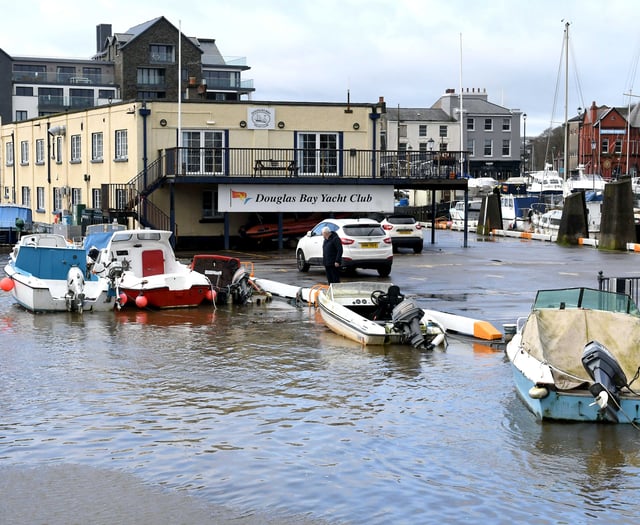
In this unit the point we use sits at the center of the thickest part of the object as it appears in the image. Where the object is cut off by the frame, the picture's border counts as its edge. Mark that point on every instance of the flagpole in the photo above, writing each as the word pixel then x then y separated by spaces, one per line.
pixel 179 85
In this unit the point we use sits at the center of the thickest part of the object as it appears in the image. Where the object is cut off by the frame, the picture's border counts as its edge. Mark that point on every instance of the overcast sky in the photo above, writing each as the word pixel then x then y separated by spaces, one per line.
pixel 408 51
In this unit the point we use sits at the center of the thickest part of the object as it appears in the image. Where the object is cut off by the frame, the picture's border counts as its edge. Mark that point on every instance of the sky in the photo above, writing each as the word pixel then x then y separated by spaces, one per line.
pixel 407 51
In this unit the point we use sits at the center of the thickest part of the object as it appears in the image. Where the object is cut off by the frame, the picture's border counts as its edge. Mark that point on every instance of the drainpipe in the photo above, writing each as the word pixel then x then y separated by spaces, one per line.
pixel 374 116
pixel 13 146
pixel 144 113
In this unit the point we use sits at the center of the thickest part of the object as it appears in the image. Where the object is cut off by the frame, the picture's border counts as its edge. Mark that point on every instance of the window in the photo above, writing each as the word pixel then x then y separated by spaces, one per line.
pixel 204 151
pixel 422 130
pixel 471 147
pixel 96 198
pixel 122 148
pixel 151 76
pixel 222 79
pixel 81 98
pixel 210 205
pixel 605 146
pixel 76 148
pixel 506 148
pixel 488 147
pixel 506 124
pixel 24 91
pixel 40 197
pixel 26 196
pixel 471 124
pixel 96 147
pixel 121 199
pixel 24 152
pixel 93 74
pixel 48 97
pixel 151 95
pixel 76 196
pixel 618 146
pixel 21 115
pixel 58 150
pixel 318 153
pixel 162 53
pixel 40 151
pixel 64 73
pixel 488 124
pixel 57 198
pixel 8 153
pixel 106 93
pixel 29 72
pixel 443 131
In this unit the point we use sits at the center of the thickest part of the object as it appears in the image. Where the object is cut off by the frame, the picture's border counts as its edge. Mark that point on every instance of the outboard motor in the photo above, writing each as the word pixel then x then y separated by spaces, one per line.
pixel 406 318
pixel 608 379
pixel 240 288
pixel 74 298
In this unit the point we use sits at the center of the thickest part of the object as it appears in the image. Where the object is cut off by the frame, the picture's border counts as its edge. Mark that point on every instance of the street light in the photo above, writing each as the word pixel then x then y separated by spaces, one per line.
pixel 524 144
pixel 594 145
pixel 430 144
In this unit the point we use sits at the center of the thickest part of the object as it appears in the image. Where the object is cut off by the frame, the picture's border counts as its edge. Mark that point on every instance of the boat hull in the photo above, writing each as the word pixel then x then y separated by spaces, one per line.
pixel 577 405
pixel 357 327
pixel 42 296
pixel 165 292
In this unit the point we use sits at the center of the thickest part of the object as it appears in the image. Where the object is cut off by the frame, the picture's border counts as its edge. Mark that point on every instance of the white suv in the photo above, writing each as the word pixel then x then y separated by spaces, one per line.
pixel 405 232
pixel 364 245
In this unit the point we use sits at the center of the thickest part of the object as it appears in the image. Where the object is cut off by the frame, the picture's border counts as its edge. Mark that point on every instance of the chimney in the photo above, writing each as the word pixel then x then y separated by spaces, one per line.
pixel 103 31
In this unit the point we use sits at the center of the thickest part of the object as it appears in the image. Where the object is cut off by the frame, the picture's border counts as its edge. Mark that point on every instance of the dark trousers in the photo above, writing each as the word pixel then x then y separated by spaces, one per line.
pixel 333 274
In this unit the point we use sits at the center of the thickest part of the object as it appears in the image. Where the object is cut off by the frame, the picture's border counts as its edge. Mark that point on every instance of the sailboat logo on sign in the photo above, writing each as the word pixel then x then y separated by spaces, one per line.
pixel 241 195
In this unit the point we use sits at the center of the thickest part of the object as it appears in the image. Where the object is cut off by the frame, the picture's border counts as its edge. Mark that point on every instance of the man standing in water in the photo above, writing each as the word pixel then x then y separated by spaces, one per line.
pixel 331 255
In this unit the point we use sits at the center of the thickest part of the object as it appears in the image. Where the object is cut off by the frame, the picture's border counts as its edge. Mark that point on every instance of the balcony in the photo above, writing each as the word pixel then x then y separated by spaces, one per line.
pixel 103 79
pixel 310 164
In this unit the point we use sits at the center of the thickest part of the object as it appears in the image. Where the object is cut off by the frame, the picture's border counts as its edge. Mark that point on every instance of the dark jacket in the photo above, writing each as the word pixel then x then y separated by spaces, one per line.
pixel 332 250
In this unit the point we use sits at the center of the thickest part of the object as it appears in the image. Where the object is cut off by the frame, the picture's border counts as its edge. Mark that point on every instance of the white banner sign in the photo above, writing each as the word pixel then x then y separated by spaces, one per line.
pixel 310 197
pixel 261 118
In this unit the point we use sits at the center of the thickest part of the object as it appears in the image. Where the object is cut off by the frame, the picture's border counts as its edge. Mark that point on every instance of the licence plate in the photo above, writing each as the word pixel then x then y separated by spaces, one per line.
pixel 368 245
pixel 404 232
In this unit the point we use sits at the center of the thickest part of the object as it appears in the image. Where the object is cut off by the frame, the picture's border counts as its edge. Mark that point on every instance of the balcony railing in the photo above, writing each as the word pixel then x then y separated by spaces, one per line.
pixel 79 79
pixel 312 163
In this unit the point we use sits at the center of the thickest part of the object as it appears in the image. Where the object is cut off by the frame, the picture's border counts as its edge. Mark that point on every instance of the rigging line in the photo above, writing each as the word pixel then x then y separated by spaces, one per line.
pixel 555 99
pixel 572 54
pixel 634 68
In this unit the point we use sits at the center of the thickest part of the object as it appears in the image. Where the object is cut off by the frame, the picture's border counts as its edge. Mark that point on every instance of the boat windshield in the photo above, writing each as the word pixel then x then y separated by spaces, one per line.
pixel 588 298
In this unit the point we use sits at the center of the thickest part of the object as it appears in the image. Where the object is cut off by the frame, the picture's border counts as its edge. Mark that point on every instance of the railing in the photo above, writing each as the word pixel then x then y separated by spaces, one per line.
pixel 303 162
pixel 628 285
pixel 37 77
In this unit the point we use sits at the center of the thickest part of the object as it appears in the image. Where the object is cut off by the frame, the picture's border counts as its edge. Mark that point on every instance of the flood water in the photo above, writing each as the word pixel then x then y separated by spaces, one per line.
pixel 259 414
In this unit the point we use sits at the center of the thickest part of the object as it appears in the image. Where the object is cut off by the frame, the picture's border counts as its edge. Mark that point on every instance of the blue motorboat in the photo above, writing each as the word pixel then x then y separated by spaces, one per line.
pixel 575 356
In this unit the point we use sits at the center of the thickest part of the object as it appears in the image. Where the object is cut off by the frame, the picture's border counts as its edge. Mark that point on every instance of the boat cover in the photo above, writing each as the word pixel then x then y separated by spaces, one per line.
pixel 558 337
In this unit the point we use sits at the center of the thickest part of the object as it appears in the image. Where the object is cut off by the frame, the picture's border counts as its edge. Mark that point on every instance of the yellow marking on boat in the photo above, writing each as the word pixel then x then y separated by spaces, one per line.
pixel 486 331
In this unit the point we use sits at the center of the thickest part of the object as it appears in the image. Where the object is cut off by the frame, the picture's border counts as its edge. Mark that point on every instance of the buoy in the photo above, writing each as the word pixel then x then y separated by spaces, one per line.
pixel 6 284
pixel 141 301
pixel 123 298
pixel 211 295
pixel 538 392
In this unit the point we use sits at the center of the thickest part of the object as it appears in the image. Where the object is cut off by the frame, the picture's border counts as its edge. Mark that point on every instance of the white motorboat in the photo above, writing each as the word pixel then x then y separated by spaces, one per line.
pixel 575 356
pixel 544 183
pixel 45 273
pixel 581 181
pixel 369 315
pixel 151 275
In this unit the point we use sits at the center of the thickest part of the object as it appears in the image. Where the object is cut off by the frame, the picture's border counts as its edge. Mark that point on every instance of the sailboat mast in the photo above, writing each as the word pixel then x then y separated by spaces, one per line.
pixel 566 101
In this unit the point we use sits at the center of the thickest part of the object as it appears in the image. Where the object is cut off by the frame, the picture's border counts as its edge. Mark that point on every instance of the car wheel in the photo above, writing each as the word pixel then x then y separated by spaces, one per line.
pixel 384 271
pixel 303 265
pixel 417 249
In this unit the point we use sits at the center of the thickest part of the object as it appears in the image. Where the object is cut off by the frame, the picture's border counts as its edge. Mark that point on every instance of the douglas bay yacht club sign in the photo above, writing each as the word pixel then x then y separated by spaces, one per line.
pixel 289 198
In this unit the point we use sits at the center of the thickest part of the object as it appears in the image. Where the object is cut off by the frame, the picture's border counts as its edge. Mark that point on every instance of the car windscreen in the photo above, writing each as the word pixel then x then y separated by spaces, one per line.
pixel 363 230
pixel 401 220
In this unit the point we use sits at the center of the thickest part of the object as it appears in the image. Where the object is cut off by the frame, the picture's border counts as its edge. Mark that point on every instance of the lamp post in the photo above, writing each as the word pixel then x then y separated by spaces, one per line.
pixel 594 145
pixel 430 144
pixel 409 148
pixel 524 144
